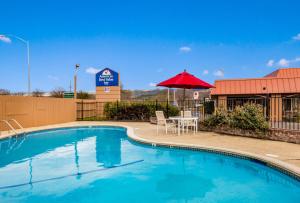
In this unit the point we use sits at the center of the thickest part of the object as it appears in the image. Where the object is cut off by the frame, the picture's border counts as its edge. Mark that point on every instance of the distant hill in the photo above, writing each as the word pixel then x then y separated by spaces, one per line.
pixel 161 94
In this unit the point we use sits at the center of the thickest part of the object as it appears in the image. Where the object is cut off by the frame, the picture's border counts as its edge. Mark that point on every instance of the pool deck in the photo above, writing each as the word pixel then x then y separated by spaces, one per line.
pixel 279 154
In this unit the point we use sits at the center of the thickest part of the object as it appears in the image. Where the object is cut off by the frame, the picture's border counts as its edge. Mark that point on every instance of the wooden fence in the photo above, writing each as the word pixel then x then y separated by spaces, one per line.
pixel 36 111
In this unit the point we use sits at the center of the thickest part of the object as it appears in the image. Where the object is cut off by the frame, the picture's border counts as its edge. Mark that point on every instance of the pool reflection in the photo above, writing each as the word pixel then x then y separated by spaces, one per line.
pixel 108 150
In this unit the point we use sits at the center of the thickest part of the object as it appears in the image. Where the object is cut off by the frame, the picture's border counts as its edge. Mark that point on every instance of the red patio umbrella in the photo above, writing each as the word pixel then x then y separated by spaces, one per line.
pixel 185 80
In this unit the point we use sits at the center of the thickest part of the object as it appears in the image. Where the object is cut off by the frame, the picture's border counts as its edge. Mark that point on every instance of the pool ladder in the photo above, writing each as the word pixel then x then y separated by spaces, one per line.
pixel 7 122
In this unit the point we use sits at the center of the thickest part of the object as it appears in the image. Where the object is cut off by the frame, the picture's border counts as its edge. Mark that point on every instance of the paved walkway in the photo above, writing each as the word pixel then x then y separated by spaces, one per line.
pixel 286 152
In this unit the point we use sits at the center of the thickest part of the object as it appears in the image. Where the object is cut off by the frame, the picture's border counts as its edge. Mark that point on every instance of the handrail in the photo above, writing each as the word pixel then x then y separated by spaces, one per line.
pixel 9 125
pixel 16 122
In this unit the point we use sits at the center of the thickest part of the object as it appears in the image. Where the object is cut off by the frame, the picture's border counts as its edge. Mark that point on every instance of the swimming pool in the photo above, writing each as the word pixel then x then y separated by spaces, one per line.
pixel 100 164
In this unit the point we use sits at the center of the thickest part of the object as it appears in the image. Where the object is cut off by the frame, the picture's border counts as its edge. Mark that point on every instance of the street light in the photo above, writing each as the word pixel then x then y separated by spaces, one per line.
pixel 6 38
pixel 75 80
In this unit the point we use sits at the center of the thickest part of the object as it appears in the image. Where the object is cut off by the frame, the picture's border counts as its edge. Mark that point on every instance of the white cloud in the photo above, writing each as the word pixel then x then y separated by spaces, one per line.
pixel 284 62
pixel 270 63
pixel 5 39
pixel 205 72
pixel 185 49
pixel 152 84
pixel 92 70
pixel 53 77
pixel 297 37
pixel 219 73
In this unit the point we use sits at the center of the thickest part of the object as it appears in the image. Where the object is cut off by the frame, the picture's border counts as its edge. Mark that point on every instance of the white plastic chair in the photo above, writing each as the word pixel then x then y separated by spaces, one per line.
pixel 162 121
pixel 190 123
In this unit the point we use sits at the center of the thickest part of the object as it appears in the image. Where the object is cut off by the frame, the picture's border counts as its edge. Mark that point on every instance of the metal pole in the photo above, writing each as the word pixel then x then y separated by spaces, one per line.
pixel 28 59
pixel 75 81
pixel 28 64
pixel 168 108
pixel 183 101
pixel 174 95
pixel 75 86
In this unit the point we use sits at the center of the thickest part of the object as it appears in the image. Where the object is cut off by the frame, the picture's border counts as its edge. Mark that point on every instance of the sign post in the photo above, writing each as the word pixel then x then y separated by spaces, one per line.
pixel 108 86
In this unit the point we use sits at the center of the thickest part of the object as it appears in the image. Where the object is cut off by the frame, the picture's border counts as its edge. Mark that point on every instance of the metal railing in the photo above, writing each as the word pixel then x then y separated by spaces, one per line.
pixel 281 111
pixel 7 122
pixel 96 110
pixel 10 126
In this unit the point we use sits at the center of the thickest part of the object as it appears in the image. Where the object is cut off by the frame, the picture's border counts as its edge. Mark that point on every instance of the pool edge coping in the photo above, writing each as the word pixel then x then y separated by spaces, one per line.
pixel 279 165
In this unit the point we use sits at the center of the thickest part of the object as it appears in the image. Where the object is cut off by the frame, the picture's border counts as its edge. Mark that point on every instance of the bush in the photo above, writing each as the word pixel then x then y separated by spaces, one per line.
pixel 249 117
pixel 220 118
pixel 136 110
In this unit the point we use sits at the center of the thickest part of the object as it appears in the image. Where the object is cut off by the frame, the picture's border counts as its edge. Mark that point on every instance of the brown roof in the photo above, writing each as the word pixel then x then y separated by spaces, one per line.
pixel 285 73
pixel 280 81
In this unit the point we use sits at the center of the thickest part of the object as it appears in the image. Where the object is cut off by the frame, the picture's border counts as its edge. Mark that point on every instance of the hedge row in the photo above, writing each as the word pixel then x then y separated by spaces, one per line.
pixel 136 111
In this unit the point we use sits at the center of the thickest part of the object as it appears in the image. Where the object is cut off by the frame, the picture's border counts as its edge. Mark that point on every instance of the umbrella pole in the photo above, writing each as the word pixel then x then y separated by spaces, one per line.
pixel 174 99
pixel 168 95
pixel 183 101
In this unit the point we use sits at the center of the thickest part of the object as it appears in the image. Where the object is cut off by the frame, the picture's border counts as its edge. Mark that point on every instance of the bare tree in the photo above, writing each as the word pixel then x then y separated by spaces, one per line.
pixel 57 92
pixel 4 92
pixel 37 93
pixel 18 93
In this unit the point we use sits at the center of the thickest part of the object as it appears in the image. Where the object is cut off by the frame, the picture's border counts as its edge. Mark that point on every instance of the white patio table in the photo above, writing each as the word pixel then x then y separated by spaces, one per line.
pixel 181 120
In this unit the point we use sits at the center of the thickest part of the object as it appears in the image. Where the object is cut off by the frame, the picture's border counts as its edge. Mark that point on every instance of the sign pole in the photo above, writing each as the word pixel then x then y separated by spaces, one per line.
pixel 75 81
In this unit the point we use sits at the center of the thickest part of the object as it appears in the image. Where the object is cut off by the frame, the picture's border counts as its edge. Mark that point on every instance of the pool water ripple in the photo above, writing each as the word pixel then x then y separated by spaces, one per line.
pixel 100 164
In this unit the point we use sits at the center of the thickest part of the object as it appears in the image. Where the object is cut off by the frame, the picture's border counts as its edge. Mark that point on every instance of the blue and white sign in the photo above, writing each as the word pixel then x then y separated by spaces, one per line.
pixel 107 77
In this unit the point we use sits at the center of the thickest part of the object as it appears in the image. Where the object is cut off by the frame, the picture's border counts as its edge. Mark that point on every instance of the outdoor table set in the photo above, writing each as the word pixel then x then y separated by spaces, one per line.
pixel 183 123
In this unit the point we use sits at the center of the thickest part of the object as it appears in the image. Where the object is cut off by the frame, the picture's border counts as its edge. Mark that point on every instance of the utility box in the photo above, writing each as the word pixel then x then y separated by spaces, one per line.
pixel 108 87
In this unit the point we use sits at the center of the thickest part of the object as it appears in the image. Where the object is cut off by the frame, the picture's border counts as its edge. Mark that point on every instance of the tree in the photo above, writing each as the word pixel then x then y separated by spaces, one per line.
pixel 37 93
pixel 4 92
pixel 57 92
pixel 83 95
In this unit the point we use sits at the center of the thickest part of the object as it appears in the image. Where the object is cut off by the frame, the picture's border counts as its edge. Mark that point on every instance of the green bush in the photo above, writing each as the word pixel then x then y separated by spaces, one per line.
pixel 249 117
pixel 220 118
pixel 138 111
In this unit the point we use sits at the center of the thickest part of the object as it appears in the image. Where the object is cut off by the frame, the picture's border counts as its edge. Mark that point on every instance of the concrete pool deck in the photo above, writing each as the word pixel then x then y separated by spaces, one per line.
pixel 279 154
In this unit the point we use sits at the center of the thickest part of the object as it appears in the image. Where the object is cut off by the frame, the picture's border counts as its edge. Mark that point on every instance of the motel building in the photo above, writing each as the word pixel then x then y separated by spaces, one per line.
pixel 278 93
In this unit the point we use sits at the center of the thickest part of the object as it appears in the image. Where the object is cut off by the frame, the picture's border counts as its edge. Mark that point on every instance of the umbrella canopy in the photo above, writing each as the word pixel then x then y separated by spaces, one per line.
pixel 185 80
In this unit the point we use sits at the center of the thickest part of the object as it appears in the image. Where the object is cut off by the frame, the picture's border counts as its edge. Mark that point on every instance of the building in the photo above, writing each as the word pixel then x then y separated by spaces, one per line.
pixel 278 93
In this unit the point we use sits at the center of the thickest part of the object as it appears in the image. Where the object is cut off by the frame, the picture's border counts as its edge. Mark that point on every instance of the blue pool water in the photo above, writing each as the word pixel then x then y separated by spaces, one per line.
pixel 100 164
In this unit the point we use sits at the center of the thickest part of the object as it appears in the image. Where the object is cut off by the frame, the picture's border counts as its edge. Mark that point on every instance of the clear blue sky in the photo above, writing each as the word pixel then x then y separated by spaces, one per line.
pixel 146 41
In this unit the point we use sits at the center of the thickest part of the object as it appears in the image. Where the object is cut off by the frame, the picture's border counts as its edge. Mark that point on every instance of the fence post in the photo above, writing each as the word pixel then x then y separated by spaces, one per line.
pixel 81 109
pixel 204 105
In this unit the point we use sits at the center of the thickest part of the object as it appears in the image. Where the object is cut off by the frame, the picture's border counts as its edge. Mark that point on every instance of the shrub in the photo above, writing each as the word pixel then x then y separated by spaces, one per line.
pixel 218 119
pixel 136 110
pixel 249 117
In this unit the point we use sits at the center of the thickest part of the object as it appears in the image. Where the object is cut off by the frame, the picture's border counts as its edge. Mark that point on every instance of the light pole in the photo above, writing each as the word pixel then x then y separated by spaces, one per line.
pixel 75 80
pixel 28 56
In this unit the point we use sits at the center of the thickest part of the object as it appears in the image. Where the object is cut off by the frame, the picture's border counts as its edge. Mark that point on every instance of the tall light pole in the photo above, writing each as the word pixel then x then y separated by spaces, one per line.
pixel 5 38
pixel 75 81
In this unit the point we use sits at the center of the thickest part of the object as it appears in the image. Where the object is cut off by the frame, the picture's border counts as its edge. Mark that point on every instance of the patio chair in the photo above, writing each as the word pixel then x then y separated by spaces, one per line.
pixel 162 121
pixel 188 124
